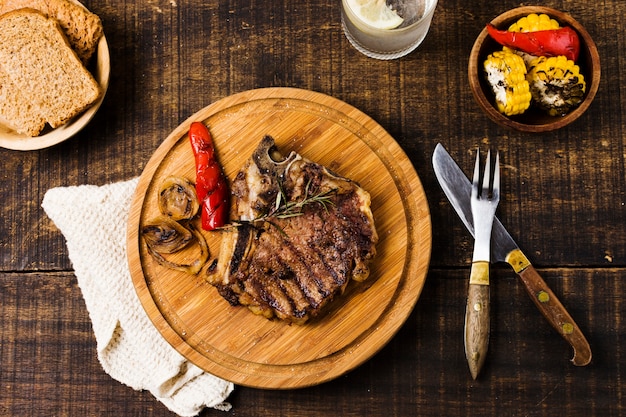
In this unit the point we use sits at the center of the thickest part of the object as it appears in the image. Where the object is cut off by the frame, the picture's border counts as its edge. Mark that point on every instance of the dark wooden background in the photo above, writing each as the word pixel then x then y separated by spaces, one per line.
pixel 563 200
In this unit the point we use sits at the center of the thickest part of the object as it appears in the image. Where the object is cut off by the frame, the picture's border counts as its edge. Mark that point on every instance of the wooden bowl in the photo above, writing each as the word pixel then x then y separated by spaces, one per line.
pixel 100 68
pixel 533 120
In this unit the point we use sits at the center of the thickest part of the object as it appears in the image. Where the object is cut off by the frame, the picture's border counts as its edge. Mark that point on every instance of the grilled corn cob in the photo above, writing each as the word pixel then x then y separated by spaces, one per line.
pixel 556 84
pixel 506 73
pixel 532 23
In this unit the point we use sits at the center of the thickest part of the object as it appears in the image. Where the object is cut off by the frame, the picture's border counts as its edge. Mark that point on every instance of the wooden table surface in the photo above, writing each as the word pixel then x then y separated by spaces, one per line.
pixel 563 199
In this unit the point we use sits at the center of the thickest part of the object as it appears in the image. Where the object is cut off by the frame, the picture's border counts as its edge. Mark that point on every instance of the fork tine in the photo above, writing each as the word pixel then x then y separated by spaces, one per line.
pixel 476 178
pixel 496 178
pixel 486 186
pixel 487 175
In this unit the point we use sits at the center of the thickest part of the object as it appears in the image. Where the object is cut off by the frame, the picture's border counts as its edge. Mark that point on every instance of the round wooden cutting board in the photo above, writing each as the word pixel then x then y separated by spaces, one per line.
pixel 232 342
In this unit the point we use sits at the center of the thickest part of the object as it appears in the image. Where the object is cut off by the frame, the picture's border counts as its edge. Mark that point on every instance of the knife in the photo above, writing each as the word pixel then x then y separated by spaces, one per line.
pixel 457 188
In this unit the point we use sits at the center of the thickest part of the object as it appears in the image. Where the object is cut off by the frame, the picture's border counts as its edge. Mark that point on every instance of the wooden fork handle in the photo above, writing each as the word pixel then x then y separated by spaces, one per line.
pixel 555 313
pixel 477 317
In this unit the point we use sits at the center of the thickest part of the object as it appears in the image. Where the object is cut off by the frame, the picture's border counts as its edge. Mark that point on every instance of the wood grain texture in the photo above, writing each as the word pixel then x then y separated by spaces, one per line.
pixel 248 349
pixel 563 200
pixel 47 343
pixel 477 327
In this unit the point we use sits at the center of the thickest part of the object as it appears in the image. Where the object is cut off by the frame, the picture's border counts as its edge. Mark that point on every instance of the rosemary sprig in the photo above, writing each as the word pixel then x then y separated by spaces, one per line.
pixel 283 209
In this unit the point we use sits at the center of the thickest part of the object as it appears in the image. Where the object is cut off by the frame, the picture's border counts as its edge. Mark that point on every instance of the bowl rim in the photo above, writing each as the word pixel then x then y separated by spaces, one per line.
pixel 10 139
pixel 552 123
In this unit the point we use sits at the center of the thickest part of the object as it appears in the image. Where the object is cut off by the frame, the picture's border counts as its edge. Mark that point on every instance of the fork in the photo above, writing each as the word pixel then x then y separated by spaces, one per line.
pixel 484 201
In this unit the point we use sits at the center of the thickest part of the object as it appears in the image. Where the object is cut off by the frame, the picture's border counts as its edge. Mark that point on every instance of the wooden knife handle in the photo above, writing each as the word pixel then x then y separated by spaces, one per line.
pixel 555 313
pixel 477 318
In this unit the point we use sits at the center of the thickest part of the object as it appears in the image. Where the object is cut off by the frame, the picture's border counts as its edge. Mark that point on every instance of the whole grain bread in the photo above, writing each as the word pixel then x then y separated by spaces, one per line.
pixel 15 110
pixel 82 28
pixel 47 79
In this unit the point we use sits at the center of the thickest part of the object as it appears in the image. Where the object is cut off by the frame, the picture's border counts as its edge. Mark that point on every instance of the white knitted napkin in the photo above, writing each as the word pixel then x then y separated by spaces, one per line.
pixel 130 349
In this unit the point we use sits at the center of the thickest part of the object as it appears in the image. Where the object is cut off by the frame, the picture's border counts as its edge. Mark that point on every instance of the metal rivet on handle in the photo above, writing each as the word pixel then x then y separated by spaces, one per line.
pixel 568 328
pixel 543 297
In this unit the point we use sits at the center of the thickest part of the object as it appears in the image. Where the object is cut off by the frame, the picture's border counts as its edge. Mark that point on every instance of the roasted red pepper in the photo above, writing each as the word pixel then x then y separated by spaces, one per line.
pixel 562 41
pixel 211 184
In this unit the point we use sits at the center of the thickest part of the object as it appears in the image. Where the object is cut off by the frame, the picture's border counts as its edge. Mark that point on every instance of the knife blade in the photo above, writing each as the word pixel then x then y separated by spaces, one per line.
pixel 457 188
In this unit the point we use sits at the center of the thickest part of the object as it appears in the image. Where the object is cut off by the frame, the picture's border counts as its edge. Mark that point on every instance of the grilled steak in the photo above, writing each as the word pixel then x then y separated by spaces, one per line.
pixel 303 233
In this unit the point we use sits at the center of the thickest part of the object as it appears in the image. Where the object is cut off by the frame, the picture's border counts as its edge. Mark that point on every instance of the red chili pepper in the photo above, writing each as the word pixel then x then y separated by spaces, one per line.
pixel 211 185
pixel 562 41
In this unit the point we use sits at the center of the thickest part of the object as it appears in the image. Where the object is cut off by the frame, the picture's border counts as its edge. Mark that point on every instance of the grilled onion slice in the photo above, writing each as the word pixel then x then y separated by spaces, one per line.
pixel 166 236
pixel 177 198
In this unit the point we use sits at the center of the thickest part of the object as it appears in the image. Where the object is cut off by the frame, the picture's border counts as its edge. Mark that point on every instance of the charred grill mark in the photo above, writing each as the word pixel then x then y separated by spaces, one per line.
pixel 299 304
pixel 304 272
pixel 318 269
pixel 282 294
pixel 265 291
pixel 337 279
pixel 243 241
pixel 229 295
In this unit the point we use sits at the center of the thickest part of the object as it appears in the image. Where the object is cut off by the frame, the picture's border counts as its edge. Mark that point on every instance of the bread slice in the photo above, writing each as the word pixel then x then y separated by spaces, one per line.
pixel 47 78
pixel 82 27
pixel 22 118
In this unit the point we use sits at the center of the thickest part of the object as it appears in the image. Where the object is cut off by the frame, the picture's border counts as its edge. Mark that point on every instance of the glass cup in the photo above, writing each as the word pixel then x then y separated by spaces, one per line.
pixel 389 43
